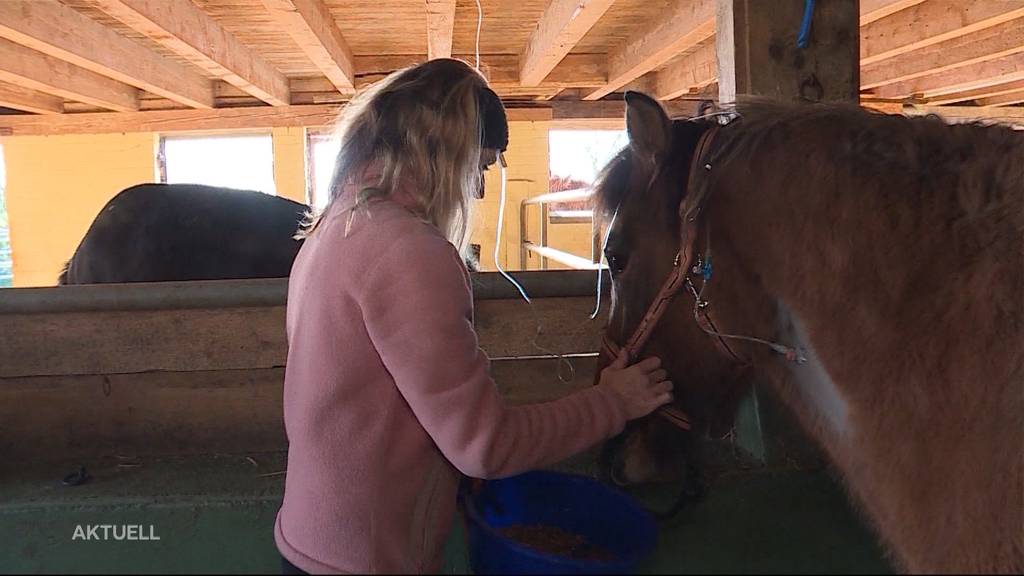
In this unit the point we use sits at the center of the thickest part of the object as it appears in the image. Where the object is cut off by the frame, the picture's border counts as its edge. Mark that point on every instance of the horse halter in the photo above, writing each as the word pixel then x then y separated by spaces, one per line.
pixel 677 280
pixel 683 268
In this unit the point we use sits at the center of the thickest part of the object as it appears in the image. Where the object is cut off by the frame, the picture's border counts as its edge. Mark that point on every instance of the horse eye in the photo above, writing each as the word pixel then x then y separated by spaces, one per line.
pixel 616 262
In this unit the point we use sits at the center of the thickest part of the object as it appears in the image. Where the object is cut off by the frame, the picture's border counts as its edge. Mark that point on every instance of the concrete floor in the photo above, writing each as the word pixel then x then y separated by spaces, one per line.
pixel 215 514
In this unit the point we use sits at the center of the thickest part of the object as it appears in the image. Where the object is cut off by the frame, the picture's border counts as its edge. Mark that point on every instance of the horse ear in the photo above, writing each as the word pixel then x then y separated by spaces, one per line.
pixel 648 127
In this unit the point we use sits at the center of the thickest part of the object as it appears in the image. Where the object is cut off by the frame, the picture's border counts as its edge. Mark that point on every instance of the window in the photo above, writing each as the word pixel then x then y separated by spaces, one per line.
pixel 6 265
pixel 577 156
pixel 321 154
pixel 243 161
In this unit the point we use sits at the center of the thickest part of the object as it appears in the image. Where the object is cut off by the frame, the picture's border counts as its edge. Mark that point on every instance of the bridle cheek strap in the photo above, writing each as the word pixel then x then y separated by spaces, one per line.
pixel 674 285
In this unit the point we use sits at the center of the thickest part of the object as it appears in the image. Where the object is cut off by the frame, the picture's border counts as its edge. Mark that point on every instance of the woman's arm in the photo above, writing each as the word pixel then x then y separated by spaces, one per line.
pixel 417 306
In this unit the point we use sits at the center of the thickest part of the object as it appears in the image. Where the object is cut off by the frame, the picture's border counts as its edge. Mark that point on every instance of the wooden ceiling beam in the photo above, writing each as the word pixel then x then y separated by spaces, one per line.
pixel 872 10
pixel 62 33
pixel 978 94
pixel 185 29
pixel 696 70
pixel 687 24
pixel 981 75
pixel 930 23
pixel 310 24
pixel 314 116
pixel 1007 99
pixel 33 70
pixel 440 28
pixel 27 100
pixel 995 42
pixel 563 24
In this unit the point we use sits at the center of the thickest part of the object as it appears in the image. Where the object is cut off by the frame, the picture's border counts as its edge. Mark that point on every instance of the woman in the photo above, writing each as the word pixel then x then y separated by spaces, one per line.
pixel 387 394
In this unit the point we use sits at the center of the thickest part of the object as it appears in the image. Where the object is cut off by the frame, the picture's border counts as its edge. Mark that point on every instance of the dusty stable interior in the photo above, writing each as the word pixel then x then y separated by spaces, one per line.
pixel 170 394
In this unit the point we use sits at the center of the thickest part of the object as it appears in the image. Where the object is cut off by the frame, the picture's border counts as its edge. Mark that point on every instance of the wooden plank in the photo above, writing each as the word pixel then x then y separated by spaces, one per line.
pixel 121 342
pixel 60 32
pixel 696 70
pixel 33 70
pixel 229 411
pixel 171 120
pixel 189 32
pixel 257 292
pixel 981 75
pixel 563 112
pixel 1007 99
pixel 29 100
pixel 689 23
pixel 996 42
pixel 310 24
pixel 440 27
pixel 826 70
pixel 872 10
pixel 563 24
pixel 1003 115
pixel 151 413
pixel 978 93
pixel 930 23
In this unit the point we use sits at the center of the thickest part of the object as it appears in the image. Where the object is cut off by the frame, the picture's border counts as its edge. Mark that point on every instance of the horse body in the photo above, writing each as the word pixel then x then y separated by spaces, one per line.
pixel 170 232
pixel 891 251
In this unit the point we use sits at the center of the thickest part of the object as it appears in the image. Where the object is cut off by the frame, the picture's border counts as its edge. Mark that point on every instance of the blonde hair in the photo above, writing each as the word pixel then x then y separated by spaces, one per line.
pixel 420 125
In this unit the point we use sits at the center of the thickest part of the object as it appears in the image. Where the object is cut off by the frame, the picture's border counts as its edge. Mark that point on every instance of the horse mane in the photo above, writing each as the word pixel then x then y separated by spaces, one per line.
pixel 927 149
pixel 845 139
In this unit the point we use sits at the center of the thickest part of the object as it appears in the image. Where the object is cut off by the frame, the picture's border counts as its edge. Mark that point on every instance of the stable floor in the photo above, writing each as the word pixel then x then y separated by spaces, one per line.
pixel 215 513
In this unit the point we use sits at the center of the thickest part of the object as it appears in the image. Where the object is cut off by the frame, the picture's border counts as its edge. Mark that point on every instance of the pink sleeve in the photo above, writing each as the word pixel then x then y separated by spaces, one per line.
pixel 417 306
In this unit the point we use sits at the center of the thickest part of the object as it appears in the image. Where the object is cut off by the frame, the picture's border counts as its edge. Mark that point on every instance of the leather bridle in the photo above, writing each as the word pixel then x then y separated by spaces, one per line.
pixel 680 279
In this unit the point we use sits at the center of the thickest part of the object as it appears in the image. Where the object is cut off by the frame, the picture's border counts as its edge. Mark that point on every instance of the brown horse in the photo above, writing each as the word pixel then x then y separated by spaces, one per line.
pixel 883 259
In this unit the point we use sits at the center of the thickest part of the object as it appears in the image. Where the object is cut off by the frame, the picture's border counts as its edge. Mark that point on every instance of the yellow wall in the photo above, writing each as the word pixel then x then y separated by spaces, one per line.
pixel 55 187
pixel 57 184
pixel 527 176
pixel 290 163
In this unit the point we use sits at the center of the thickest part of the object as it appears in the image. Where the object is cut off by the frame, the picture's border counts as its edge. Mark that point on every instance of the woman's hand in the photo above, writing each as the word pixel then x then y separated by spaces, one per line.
pixel 641 388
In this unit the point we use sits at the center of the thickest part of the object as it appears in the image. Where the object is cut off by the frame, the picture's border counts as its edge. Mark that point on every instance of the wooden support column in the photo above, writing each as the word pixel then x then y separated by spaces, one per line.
pixel 758 53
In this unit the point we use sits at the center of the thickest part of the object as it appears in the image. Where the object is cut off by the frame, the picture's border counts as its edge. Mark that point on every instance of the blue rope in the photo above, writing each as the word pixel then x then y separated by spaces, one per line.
pixel 804 38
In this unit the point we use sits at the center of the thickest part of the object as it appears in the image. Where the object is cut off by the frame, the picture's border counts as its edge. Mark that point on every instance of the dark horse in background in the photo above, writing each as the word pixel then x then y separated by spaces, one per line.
pixel 882 257
pixel 171 232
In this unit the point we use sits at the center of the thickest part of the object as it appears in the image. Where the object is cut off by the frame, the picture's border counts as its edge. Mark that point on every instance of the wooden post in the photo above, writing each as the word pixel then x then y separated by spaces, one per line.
pixel 758 53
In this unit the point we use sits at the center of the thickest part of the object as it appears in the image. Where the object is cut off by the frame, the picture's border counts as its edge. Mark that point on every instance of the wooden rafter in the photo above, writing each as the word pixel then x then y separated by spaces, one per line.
pixel 930 23
pixel 689 23
pixel 1007 99
pixel 978 94
pixel 998 41
pixel 189 32
pixel 440 28
pixel 62 33
pixel 872 10
pixel 28 100
pixel 696 70
pixel 310 24
pixel 981 75
pixel 33 70
pixel 563 25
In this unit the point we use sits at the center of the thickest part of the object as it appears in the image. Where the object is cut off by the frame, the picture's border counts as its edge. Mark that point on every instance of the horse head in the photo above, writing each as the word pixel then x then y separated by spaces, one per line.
pixel 640 196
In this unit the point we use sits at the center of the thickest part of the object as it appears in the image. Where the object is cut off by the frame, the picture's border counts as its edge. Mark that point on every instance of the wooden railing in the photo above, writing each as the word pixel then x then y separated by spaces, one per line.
pixel 198 367
pixel 548 253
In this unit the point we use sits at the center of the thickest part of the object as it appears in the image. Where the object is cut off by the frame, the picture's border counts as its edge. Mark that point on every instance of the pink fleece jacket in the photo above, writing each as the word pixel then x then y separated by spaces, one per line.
pixel 387 397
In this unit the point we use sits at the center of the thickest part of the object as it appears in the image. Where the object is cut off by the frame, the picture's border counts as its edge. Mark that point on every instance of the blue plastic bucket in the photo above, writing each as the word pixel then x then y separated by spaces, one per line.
pixel 606 517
